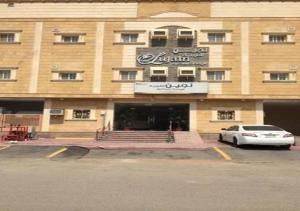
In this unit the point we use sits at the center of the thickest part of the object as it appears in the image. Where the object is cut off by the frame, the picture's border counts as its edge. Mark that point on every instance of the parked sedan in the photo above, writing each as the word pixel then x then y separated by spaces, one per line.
pixel 257 135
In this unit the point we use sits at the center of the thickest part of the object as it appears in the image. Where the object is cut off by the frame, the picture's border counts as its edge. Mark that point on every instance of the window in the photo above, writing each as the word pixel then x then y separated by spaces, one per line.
pixel 186 79
pixel 156 42
pixel 185 43
pixel 5 74
pixel 129 38
pixel 67 76
pixel 226 115
pixel 7 37
pixel 273 38
pixel 128 75
pixel 262 128
pixel 215 75
pixel 216 37
pixel 158 79
pixel 81 114
pixel 279 76
pixel 233 128
pixel 70 38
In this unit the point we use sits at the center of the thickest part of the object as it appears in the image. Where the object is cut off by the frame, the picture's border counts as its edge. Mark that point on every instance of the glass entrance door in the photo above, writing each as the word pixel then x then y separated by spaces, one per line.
pixel 151 117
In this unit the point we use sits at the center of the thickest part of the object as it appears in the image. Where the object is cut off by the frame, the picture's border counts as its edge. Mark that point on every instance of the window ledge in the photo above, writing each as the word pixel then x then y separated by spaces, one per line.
pixel 238 121
pixel 129 43
pixel 80 119
pixel 130 31
pixel 10 43
pixel 278 43
pixel 66 80
pixel 216 43
pixel 269 81
pixel 8 80
pixel 127 81
pixel 69 43
pixel 216 30
pixel 216 81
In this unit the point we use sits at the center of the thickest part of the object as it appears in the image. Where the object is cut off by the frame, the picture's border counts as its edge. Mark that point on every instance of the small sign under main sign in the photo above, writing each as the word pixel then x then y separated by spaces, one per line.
pixel 171 88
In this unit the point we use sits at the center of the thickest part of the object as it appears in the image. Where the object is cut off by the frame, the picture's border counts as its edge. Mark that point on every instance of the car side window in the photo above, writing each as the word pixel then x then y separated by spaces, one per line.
pixel 236 128
pixel 233 128
pixel 230 128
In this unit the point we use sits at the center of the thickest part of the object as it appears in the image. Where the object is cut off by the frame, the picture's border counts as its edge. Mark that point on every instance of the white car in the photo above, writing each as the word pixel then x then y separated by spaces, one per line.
pixel 257 135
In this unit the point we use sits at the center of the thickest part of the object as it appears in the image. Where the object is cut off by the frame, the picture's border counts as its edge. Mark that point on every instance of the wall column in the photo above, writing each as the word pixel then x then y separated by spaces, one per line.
pixel 98 58
pixel 110 114
pixel 193 116
pixel 259 112
pixel 46 115
pixel 245 70
pixel 36 57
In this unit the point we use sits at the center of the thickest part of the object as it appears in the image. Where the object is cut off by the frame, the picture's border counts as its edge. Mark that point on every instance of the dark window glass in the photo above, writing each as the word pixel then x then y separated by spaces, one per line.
pixel 185 42
pixel 158 79
pixel 262 128
pixel 186 79
pixel 158 42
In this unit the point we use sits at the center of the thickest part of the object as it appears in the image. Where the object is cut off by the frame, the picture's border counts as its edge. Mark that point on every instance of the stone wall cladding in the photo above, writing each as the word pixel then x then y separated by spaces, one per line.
pixel 172 42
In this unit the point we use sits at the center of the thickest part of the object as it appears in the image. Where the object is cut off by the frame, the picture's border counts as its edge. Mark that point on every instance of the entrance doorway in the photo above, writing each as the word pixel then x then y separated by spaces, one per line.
pixel 151 116
pixel 284 114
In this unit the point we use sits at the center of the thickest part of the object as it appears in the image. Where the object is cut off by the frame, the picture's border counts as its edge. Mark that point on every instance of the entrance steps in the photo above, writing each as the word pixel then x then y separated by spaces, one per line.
pixel 138 136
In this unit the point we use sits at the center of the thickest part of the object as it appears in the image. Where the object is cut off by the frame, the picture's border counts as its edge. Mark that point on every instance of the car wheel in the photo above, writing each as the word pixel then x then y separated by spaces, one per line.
pixel 235 142
pixel 287 147
pixel 220 138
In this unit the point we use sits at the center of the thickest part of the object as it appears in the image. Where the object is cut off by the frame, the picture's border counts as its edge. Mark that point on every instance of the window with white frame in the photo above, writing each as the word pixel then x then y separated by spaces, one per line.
pixel 129 38
pixel 5 74
pixel 7 37
pixel 215 75
pixel 67 76
pixel 186 74
pixel 216 37
pixel 81 114
pixel 278 38
pixel 128 75
pixel 279 76
pixel 70 38
pixel 229 115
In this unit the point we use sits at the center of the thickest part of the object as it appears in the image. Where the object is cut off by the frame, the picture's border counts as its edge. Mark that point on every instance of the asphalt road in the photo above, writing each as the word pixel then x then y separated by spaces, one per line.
pixel 82 179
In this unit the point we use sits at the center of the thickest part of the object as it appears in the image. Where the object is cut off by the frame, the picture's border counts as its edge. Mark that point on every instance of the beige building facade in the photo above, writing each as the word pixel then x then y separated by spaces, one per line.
pixel 139 65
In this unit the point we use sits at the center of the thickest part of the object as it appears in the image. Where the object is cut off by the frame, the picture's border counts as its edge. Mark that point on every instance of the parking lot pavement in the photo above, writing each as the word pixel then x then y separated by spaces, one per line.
pixel 18 151
pixel 223 152
pixel 160 180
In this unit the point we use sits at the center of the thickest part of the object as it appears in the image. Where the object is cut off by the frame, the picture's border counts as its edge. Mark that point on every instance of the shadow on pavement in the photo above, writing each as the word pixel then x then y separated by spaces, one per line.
pixel 255 147
pixel 73 152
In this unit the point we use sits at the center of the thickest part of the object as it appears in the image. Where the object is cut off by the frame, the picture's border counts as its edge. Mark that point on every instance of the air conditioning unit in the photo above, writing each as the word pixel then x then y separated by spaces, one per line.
pixel 186 71
pixel 158 71
pixel 291 29
pixel 185 34
pixel 56 112
pixel 159 34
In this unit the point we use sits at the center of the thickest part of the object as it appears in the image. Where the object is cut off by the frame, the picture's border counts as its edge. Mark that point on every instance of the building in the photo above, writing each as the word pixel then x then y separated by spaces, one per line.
pixel 76 66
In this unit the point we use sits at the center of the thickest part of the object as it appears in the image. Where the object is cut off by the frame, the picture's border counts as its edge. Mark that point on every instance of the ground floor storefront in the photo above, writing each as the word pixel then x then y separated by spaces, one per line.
pixel 206 116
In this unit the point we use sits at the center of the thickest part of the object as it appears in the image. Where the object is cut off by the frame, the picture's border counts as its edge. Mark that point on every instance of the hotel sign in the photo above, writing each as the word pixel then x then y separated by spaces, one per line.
pixel 171 88
pixel 173 56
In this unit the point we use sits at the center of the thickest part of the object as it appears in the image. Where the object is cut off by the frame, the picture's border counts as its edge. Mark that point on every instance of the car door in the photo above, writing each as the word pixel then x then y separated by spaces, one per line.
pixel 228 133
pixel 231 132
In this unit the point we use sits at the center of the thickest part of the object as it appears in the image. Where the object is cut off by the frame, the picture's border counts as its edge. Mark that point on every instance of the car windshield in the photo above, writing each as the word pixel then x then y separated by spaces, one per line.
pixel 262 128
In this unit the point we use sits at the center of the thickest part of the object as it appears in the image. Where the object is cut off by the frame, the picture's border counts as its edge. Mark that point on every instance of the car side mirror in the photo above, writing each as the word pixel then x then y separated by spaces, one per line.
pixel 223 129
